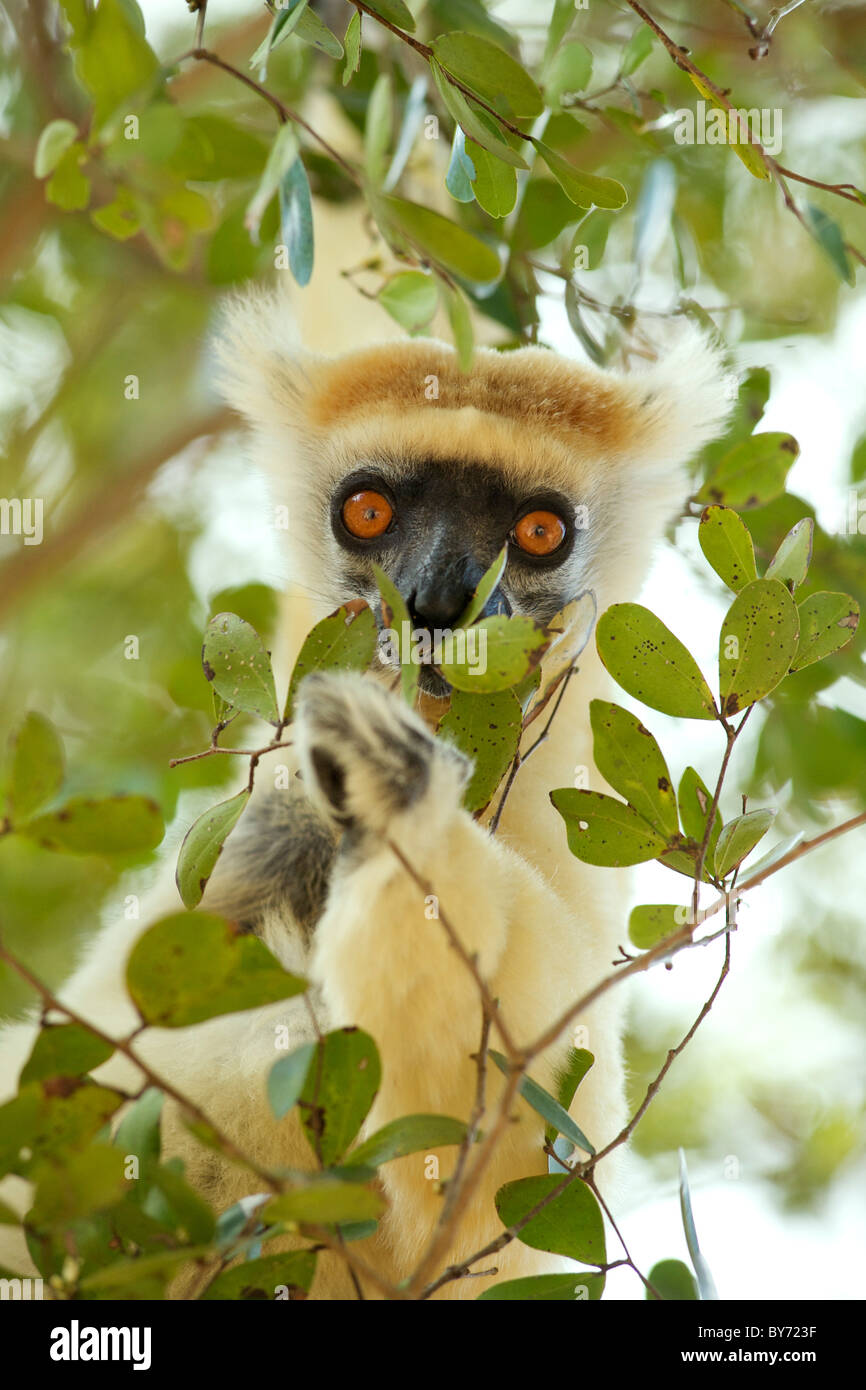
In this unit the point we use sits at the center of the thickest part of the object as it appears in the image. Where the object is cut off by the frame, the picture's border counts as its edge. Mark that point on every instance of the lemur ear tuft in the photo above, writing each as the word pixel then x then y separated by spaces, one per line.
pixel 261 368
pixel 682 401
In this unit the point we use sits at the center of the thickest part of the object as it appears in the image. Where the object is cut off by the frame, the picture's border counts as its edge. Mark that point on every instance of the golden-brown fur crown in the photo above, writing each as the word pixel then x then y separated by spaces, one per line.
pixel 662 414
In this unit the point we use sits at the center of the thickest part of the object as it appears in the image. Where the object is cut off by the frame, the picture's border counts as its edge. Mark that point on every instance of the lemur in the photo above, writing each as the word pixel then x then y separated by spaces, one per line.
pixel 392 454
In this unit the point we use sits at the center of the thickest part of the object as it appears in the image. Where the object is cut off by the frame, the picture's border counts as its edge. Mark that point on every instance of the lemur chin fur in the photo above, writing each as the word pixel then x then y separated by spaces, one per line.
pixel 459 456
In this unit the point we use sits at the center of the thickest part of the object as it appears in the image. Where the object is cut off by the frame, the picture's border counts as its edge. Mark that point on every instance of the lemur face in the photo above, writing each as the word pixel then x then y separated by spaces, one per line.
pixel 434 528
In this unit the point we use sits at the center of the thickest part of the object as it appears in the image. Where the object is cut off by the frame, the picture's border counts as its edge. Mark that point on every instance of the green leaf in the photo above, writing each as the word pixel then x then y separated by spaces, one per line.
pixel 726 543
pixel 443 241
pixel 756 644
pixel 286 1079
pixel 739 838
pixel 460 169
pixel 490 72
pixel 352 47
pixel 649 662
pixel 628 757
pixel 495 183
pixel 283 153
pixel 546 1288
pixel 695 800
pixel 460 321
pixel 84 1183
pixel 487 728
pixel 544 212
pixel 577 1065
pixel 234 658
pixel 790 564
pixel 543 1103
pixel 177 1206
pixel 191 967
pixel 673 1280
pixel 410 297
pixel 636 51
pixel 344 641
pixel 652 922
pixel 147 1275
pixel 484 589
pixel 122 824
pixel 829 237
pixel 475 121
pixel 257 604
pixel 51 1117
pixel 114 61
pixel 570 1225
pixel 311 30
pixel 507 649
pixel 395 11
pixel 561 21
pixel 585 190
pixel 395 615
pixel 68 188
pixel 323 1199
pixel 52 144
pixel 378 129
pixel 752 396
pixel 203 845
pixel 37 766
pixel 751 473
pixel 828 622
pixel 414 112
pixel 741 145
pixel 139 1131
pixel 604 831
pixel 296 220
pixel 260 1279
pixel 204 147
pixel 341 1086
pixel 285 22
pixel 66 1049
pixel 569 71
pixel 119 219
pixel 409 1135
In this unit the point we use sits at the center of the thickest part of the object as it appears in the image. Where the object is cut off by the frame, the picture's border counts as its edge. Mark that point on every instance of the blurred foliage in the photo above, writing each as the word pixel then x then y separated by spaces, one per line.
pixel 139 184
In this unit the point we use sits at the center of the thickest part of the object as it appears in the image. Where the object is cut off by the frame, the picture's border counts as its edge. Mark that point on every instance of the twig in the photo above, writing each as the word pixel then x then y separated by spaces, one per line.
pixel 284 113
pixel 560 682
pixel 591 1184
pixel 654 1087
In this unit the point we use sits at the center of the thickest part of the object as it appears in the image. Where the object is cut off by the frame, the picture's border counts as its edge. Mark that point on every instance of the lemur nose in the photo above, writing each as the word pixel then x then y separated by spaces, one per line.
pixel 439 605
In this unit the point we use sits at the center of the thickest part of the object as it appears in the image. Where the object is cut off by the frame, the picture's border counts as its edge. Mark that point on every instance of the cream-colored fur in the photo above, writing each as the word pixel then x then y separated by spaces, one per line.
pixel 544 926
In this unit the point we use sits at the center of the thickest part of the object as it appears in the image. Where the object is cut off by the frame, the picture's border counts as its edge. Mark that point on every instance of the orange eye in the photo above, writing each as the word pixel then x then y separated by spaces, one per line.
pixel 539 533
pixel 367 514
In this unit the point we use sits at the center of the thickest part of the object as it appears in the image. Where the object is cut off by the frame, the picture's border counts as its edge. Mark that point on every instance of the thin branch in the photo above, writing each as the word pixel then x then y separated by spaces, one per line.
pixel 284 113
pixel 655 1085
pixel 591 1184
pixel 560 682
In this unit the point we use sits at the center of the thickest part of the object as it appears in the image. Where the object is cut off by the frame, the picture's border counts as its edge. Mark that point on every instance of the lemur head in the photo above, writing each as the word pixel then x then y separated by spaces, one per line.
pixel 393 455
